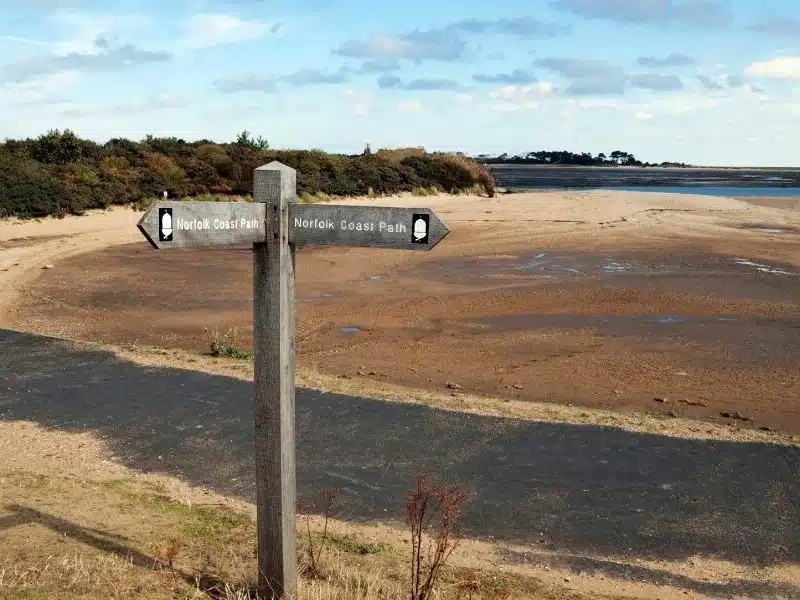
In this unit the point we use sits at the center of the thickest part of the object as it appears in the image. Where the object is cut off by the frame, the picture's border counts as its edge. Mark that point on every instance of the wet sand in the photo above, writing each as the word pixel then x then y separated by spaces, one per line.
pixel 788 203
pixel 644 303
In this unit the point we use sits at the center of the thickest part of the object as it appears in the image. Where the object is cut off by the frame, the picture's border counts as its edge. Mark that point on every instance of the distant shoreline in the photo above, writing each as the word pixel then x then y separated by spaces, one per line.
pixel 511 165
pixel 535 177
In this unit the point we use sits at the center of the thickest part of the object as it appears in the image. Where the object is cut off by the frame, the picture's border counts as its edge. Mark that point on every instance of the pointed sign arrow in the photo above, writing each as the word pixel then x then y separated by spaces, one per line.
pixel 366 226
pixel 170 224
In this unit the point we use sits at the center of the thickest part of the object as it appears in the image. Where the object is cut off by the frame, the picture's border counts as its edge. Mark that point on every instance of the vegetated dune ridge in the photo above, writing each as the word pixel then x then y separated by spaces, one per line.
pixel 691 299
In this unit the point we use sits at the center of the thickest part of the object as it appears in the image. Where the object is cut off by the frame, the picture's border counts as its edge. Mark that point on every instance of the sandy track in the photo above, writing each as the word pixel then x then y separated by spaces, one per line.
pixel 26 247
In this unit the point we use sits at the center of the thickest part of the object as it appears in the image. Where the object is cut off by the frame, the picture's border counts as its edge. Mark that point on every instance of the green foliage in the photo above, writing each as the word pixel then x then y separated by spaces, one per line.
pixel 244 140
pixel 59 148
pixel 347 543
pixel 59 173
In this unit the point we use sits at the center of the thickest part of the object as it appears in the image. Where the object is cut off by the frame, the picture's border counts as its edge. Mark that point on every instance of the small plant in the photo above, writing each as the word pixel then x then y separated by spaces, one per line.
pixel 467 585
pixel 424 505
pixel 167 553
pixel 225 344
pixel 312 567
pixel 347 544
pixel 419 191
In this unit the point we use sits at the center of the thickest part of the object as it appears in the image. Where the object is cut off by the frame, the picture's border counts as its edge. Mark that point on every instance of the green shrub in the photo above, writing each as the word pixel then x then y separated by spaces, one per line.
pixel 59 148
pixel 444 174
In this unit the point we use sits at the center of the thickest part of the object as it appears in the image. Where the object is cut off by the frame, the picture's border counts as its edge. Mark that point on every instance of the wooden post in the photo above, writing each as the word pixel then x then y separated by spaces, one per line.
pixel 275 225
pixel 274 356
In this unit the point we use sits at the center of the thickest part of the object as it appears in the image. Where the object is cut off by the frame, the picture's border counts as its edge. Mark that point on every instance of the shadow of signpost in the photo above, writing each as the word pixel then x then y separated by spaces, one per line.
pixel 105 541
pixel 566 488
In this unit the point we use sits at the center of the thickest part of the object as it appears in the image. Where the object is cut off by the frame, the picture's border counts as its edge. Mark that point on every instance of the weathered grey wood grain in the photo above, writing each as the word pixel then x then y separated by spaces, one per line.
pixel 200 224
pixel 370 226
pixel 274 356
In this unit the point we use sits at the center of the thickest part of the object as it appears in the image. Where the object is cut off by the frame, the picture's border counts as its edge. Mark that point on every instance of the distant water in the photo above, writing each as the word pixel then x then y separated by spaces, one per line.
pixel 740 191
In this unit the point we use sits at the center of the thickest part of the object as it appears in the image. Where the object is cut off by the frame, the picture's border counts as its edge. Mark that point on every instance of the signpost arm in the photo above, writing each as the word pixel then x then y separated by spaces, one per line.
pixel 274 360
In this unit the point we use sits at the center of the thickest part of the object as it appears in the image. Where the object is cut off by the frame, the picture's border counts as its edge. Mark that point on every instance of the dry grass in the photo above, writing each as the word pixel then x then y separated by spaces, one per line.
pixel 421 191
pixel 63 537
pixel 316 198
pixel 396 155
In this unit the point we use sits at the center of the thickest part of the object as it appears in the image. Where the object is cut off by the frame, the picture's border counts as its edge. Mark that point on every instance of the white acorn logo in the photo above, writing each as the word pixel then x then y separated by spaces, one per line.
pixel 166 224
pixel 420 229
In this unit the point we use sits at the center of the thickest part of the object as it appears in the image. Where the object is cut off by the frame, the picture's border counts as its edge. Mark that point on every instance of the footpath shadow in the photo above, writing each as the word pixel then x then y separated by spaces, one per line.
pixel 566 488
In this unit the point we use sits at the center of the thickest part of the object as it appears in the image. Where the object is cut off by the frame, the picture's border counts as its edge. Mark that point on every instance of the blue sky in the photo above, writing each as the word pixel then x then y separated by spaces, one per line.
pixel 694 80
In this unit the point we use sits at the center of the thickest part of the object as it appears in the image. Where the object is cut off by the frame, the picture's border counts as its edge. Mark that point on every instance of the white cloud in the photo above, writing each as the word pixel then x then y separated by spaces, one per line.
pixel 205 31
pixel 463 99
pixel 439 44
pixel 157 102
pixel 22 40
pixel 410 106
pixel 641 115
pixel 783 67
pixel 48 89
pixel 523 95
pixel 86 28
pixel 360 102
pixel 680 103
pixel 613 103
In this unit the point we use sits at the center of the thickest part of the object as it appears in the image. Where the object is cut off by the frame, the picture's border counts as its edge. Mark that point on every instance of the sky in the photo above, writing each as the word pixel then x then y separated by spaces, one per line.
pixel 698 81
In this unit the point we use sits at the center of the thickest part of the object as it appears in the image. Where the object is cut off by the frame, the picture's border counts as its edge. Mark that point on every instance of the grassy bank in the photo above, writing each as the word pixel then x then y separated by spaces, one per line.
pixel 123 537
pixel 59 173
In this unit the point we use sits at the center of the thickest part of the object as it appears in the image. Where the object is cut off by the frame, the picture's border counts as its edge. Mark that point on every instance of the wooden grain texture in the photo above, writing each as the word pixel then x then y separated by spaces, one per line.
pixel 366 226
pixel 274 395
pixel 212 224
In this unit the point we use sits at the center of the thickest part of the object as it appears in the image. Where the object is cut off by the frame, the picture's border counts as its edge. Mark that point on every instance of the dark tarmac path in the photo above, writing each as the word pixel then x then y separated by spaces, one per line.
pixel 589 490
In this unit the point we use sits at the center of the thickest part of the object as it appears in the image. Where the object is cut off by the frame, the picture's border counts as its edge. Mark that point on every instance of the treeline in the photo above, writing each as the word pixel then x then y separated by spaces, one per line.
pixel 59 173
pixel 563 157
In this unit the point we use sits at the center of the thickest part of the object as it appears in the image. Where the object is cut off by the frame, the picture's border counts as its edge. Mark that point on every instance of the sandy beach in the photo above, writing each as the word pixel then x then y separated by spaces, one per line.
pixel 674 305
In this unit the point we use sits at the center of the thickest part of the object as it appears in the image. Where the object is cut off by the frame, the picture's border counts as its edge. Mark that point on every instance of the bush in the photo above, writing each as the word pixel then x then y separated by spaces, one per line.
pixel 445 174
pixel 59 148
pixel 60 173
pixel 479 173
pixel 30 189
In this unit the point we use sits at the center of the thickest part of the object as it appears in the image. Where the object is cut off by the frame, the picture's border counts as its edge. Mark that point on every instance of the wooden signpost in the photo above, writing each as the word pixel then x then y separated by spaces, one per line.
pixel 276 225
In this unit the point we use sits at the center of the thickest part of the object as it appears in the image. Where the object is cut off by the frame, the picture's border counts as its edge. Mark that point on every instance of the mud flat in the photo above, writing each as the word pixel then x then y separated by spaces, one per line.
pixel 677 306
